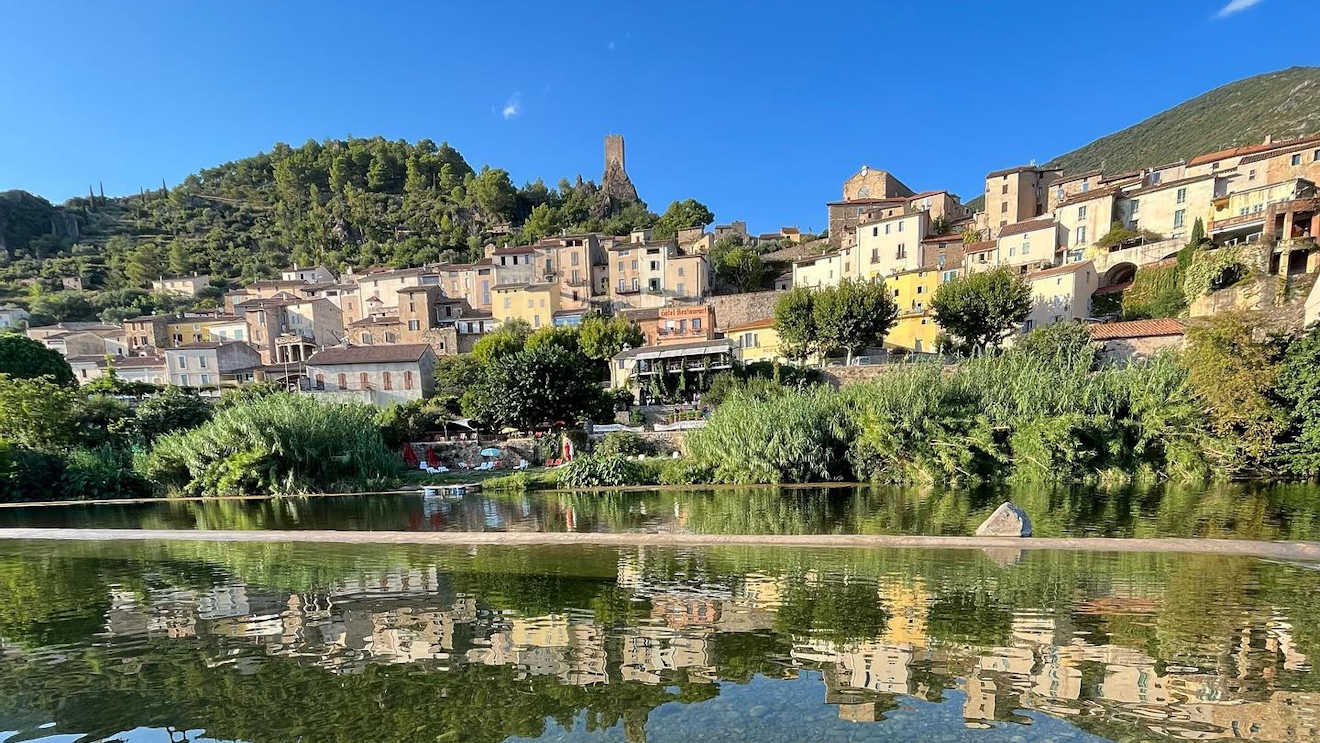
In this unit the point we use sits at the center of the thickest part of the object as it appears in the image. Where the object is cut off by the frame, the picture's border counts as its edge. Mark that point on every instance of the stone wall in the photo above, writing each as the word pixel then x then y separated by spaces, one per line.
pixel 737 309
pixel 842 376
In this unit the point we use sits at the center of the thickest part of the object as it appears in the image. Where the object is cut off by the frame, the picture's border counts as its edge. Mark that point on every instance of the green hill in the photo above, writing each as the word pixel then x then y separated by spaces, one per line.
pixel 356 202
pixel 1284 104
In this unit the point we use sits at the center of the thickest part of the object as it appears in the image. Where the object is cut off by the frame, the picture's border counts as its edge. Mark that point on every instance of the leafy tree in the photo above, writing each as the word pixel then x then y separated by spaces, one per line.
pixel 603 338
pixel 171 409
pixel 682 215
pixel 37 412
pixel 536 386
pixel 508 339
pixel 24 358
pixel 247 394
pixel 1234 375
pixel 742 267
pixel 795 323
pixel 101 419
pixel 980 310
pixel 147 264
pixel 407 421
pixel 64 306
pixel 970 235
pixel 566 338
pixel 853 315
pixel 453 376
pixel 1198 233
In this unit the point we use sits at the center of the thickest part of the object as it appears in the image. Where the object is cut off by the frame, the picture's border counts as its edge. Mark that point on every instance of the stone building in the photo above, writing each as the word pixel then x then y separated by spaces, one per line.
pixel 1017 194
pixel 379 375
pixel 865 190
pixel 1136 339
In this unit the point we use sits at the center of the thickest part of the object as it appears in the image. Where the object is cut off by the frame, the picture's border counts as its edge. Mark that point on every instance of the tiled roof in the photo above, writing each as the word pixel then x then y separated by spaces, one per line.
pixel 950 238
pixel 868 201
pixel 514 250
pixel 1137 329
pixel 1169 184
pixel 1079 198
pixel 1210 157
pixel 388 354
pixel 765 322
pixel 1017 228
pixel 372 321
pixel 1284 148
pixel 1058 270
pixel 980 247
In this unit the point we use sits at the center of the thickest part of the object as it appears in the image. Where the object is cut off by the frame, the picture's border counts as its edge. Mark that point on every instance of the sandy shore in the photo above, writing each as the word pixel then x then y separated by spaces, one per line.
pixel 1308 551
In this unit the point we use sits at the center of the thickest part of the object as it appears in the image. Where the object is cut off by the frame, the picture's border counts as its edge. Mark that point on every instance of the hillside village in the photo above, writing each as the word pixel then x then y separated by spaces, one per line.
pixel 1079 239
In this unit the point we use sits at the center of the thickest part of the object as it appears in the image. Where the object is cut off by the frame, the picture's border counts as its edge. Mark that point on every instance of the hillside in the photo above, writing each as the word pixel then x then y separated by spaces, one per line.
pixel 1284 104
pixel 357 202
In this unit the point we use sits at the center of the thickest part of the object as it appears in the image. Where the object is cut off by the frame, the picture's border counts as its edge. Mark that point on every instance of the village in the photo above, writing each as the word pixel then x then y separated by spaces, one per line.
pixel 373 335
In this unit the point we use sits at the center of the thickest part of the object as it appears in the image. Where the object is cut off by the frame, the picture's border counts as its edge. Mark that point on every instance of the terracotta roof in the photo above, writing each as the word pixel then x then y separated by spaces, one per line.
pixel 1079 198
pixel 1284 148
pixel 765 322
pixel 980 247
pixel 514 250
pixel 118 361
pixel 954 237
pixel 1210 157
pixel 789 230
pixel 1169 184
pixel 1137 329
pixel 1058 270
pixel 388 354
pixel 372 321
pixel 1017 228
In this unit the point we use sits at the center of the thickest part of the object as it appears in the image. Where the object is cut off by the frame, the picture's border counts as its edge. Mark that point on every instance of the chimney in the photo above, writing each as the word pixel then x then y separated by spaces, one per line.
pixel 1269 139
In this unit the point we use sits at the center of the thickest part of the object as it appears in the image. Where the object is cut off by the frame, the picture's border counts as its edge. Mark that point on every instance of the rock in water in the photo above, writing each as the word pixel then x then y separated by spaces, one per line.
pixel 1007 521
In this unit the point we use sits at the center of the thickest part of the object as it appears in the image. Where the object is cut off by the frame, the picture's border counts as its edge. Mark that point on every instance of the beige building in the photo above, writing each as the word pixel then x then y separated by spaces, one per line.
pixel 534 304
pixel 181 286
pixel 939 205
pixel 821 270
pixel 890 246
pixel 211 365
pixel 1169 208
pixel 1017 194
pixel 1085 218
pixel 287 329
pixel 378 375
pixel 1068 186
pixel 145 369
pixel 646 273
pixel 865 190
pixel 1241 216
pixel 379 290
pixel 1027 246
pixel 1061 294
pixel 309 274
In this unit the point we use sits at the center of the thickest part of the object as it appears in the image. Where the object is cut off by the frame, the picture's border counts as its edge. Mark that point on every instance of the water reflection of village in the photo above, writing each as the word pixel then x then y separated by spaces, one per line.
pixel 1053 662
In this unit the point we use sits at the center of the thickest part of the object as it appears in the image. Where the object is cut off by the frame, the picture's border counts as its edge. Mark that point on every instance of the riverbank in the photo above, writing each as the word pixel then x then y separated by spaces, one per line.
pixel 1295 551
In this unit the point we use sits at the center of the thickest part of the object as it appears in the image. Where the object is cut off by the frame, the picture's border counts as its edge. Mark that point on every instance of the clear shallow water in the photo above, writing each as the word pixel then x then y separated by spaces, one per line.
pixel 154 641
pixel 1249 511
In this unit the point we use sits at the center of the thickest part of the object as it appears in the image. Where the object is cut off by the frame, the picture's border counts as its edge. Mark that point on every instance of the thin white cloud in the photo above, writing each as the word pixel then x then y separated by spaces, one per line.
pixel 512 107
pixel 1236 6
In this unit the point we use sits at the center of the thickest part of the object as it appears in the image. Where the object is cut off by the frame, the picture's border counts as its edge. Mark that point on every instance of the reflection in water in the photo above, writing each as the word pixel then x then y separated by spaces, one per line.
pixel 1238 511
pixel 272 642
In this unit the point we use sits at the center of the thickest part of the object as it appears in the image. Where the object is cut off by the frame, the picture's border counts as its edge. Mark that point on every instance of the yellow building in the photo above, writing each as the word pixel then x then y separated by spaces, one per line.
pixel 915 329
pixel 185 329
pixel 755 341
pixel 536 304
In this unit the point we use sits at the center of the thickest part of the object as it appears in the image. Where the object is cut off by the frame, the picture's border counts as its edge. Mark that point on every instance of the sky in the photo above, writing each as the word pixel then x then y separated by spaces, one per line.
pixel 760 111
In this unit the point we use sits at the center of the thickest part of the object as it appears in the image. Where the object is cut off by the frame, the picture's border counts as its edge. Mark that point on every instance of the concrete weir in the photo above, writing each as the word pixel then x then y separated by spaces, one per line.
pixel 1296 551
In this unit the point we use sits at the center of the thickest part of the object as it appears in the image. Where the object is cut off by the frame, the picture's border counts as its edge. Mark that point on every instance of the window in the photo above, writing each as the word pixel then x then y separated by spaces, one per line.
pixel 1085 186
pixel 901 253
pixel 1136 205
pixel 1182 192
pixel 1081 236
pixel 183 362
pixel 620 266
pixel 1316 156
pixel 1012 251
pixel 1003 189
pixel 875 231
pixel 680 288
pixel 680 270
pixel 549 267
pixel 887 229
pixel 1251 175
pixel 1297 159
pixel 508 302
pixel 388 383
pixel 1058 193
pixel 390 337
pixel 1178 217
pixel 637 284
pixel 183 379
pixel 407 379
pixel 634 264
pixel 900 226
pixel 343 381
pixel 655 265
pixel 1155 177
pixel 206 379
pixel 366 339
pixel 414 325
pixel 573 259
pixel 921 290
pixel 362 379
pixel 320 381
pixel 875 254
pixel 201 362
pixel 1214 166
pixel 1026 325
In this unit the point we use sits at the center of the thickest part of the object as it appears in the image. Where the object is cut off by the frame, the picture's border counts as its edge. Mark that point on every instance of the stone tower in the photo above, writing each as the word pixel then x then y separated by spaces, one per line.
pixel 615 182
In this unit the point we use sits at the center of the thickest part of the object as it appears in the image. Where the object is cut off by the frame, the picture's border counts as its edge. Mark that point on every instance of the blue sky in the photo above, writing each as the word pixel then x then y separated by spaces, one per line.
pixel 758 110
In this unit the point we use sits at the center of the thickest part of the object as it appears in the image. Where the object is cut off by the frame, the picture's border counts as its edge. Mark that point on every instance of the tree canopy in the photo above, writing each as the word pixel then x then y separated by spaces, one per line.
pixel 981 310
pixel 24 358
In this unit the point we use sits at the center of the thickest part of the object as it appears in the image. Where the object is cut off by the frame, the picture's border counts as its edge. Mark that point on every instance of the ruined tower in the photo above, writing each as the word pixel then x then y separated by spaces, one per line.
pixel 615 182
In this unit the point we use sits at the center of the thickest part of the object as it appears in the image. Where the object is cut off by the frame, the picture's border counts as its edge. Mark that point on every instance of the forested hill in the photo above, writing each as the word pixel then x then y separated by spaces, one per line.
pixel 1283 104
pixel 359 202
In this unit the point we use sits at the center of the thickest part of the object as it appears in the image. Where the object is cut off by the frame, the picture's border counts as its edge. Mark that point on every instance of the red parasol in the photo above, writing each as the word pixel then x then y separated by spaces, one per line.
pixel 409 456
pixel 432 458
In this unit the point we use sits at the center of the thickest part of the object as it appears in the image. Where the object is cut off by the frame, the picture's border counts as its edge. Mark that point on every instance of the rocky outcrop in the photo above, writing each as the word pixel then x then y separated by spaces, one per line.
pixel 1007 521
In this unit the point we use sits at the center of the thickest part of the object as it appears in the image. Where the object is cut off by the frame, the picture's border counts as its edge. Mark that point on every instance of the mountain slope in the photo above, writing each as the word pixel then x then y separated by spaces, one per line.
pixel 1283 104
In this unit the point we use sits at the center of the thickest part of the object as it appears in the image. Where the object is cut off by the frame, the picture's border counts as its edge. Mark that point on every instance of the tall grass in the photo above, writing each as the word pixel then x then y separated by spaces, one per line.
pixel 281 444
pixel 1047 409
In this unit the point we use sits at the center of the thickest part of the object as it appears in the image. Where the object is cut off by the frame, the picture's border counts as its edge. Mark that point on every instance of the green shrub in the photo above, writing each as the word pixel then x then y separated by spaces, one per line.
pixel 790 437
pixel 593 471
pixel 623 444
pixel 101 472
pixel 684 471
pixel 282 443
pixel 28 474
